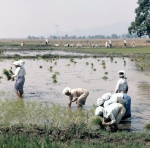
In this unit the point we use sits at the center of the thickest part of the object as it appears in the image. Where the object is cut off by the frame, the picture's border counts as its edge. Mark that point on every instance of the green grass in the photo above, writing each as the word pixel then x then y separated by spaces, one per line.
pixel 26 124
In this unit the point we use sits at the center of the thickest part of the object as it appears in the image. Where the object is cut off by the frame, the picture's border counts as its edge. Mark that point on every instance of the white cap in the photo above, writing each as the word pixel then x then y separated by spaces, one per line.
pixel 67 89
pixel 99 111
pixel 121 73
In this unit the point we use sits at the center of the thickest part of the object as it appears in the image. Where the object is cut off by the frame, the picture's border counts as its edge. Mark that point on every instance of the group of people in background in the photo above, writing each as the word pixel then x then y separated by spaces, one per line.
pixel 109 43
pixel 111 108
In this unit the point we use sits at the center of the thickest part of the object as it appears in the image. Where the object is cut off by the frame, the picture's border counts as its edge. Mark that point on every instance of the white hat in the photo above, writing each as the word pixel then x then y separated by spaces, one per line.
pixel 67 89
pixel 121 73
pixel 100 101
pixel 21 63
pixel 16 63
pixel 99 111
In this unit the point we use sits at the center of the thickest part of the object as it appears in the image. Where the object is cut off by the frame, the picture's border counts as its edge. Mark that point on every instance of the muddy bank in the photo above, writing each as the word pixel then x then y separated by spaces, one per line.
pixel 78 133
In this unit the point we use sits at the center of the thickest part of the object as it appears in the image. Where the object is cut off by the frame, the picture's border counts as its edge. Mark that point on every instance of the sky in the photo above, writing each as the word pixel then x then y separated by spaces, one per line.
pixel 21 18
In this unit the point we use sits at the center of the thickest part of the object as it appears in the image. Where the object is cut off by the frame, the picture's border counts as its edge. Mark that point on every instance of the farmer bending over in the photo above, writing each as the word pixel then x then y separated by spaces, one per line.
pixel 111 115
pixel 79 95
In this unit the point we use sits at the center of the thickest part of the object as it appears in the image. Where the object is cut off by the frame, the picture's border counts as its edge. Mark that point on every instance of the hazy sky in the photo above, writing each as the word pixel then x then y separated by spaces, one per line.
pixel 20 18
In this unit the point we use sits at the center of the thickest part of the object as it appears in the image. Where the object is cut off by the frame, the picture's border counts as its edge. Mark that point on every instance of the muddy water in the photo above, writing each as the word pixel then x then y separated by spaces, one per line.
pixel 39 85
pixel 34 53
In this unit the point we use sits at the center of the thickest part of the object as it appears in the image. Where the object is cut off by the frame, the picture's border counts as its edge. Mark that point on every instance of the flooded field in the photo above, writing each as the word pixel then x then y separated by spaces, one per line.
pixel 86 73
pixel 34 53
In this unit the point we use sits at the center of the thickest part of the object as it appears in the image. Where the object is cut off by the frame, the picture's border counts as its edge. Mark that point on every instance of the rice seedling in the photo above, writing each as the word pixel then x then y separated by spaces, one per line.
pixel 40 67
pixel 94 69
pixel 55 63
pixel 68 65
pixel 106 73
pixel 95 120
pixel 104 67
pixel 115 62
pixel 132 60
pixel 98 60
pixel 57 73
pixel 71 60
pixel 105 77
pixel 54 76
pixel 87 63
pixel 124 62
pixel 7 74
pixel 1 77
pixel 74 62
pixel 51 67
pixel 142 68
pixel 55 81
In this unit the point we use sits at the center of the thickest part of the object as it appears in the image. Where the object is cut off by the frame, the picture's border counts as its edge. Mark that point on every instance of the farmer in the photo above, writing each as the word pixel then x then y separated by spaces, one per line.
pixel 79 95
pixel 110 44
pixel 116 98
pixel 111 115
pixel 125 43
pixel 20 79
pixel 122 85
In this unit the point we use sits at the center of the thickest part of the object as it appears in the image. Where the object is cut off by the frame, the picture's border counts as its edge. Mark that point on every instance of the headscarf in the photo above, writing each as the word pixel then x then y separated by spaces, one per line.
pixel 16 63
pixel 121 73
pixel 105 97
pixel 100 101
pixel 66 90
pixel 99 111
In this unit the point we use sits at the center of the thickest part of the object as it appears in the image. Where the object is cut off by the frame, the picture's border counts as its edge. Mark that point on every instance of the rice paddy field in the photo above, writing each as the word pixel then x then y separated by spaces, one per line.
pixel 42 119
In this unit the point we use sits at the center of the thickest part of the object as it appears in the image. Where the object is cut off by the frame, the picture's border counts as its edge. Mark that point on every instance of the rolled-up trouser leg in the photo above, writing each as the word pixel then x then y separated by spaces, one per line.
pixel 82 99
pixel 121 113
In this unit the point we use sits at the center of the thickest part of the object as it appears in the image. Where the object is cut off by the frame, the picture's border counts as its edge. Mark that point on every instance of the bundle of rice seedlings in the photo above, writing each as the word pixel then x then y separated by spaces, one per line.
pixel 106 73
pixel 40 67
pixel 7 74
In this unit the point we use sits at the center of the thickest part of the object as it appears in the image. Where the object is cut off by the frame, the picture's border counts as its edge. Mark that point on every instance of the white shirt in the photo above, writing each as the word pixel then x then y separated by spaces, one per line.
pixel 125 41
pixel 106 44
pixel 115 98
pixel 121 85
pixel 109 41
pixel 111 112
pixel 19 72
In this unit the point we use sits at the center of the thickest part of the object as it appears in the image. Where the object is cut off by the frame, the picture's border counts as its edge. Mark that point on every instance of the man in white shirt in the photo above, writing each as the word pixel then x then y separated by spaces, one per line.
pixel 111 115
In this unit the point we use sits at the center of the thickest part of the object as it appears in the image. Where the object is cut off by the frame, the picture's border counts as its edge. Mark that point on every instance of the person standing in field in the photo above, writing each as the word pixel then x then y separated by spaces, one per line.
pixel 125 43
pixel 133 44
pixel 110 44
pixel 79 95
pixel 20 79
pixel 111 115
pixel 122 85
pixel 46 41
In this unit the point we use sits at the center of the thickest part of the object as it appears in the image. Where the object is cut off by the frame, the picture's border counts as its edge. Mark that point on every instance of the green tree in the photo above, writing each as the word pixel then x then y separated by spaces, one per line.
pixel 141 25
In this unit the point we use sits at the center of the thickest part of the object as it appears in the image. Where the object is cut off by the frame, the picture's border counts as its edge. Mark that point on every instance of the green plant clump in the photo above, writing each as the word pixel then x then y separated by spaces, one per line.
pixel 105 77
pixel 40 67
